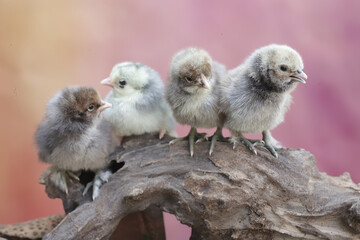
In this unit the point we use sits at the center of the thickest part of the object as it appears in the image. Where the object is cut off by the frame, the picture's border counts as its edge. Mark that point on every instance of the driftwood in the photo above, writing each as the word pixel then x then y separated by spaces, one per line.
pixel 233 194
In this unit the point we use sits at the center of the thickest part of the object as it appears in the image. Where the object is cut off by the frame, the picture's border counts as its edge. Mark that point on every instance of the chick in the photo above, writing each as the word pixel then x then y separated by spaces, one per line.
pixel 193 94
pixel 72 137
pixel 138 101
pixel 256 94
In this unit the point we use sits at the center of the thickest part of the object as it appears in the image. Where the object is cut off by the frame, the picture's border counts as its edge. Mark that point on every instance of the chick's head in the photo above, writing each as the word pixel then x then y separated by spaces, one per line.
pixel 280 67
pixel 193 69
pixel 82 104
pixel 127 78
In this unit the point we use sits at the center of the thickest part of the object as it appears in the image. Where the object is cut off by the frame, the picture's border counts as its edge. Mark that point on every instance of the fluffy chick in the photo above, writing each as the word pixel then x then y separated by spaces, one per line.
pixel 193 93
pixel 72 137
pixel 256 94
pixel 138 102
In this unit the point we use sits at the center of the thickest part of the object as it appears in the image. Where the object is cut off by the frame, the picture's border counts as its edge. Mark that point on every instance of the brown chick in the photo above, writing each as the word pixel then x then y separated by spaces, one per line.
pixel 193 93
pixel 73 137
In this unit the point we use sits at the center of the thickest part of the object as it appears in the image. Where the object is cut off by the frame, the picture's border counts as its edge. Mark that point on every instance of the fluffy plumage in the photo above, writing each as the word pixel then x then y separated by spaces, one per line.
pixel 256 94
pixel 193 90
pixel 72 137
pixel 139 105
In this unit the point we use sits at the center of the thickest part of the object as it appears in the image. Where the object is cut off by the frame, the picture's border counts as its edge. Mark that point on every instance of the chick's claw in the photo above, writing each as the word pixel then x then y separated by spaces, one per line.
pixel 72 175
pixel 271 149
pixel 87 187
pixel 200 137
pixel 234 142
pixel 162 133
pixel 178 140
pixel 216 137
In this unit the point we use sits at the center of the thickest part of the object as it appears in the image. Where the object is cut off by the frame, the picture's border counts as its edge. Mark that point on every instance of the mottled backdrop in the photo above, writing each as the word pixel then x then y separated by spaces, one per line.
pixel 46 45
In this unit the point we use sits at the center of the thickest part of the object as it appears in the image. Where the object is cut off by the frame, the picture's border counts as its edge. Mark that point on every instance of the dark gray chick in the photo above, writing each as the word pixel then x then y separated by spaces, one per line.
pixel 256 94
pixel 73 137
pixel 193 93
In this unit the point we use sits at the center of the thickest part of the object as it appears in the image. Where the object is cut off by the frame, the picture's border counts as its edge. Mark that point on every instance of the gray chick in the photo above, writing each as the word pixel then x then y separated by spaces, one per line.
pixel 193 94
pixel 73 137
pixel 256 94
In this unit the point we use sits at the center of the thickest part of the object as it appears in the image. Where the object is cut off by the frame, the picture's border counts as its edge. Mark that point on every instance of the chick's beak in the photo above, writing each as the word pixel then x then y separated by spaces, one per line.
pixel 107 82
pixel 300 76
pixel 104 105
pixel 204 82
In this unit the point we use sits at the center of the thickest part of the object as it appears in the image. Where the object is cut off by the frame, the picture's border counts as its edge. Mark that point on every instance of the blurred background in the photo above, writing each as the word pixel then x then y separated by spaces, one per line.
pixel 47 45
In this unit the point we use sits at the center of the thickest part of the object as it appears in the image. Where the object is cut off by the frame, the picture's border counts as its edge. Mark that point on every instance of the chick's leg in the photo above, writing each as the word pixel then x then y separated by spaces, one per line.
pixel 250 143
pixel 101 177
pixel 59 178
pixel 192 136
pixel 270 143
pixel 216 137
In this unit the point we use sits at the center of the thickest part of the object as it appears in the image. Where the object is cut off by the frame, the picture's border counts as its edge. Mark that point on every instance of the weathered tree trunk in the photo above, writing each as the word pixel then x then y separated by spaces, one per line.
pixel 233 194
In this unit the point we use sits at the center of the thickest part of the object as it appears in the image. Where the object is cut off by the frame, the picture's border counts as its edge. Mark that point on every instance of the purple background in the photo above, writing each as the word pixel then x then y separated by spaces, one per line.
pixel 46 45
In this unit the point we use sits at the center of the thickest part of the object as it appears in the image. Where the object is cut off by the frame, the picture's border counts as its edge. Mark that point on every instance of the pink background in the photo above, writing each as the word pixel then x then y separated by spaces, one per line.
pixel 46 45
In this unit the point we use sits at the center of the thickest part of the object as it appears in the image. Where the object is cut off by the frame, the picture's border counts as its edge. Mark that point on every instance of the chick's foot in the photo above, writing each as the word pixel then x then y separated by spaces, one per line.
pixel 59 179
pixel 193 137
pixel 100 178
pixel 271 144
pixel 250 143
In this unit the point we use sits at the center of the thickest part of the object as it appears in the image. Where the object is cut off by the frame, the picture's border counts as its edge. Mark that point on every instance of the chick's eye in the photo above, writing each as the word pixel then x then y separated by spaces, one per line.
pixel 91 107
pixel 283 68
pixel 122 83
pixel 189 79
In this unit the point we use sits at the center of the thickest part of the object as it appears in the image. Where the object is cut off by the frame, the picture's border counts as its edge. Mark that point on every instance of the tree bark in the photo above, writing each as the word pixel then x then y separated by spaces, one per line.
pixel 232 194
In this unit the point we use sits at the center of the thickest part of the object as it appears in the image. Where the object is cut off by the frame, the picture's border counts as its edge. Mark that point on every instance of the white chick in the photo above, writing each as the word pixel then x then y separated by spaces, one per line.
pixel 138 102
